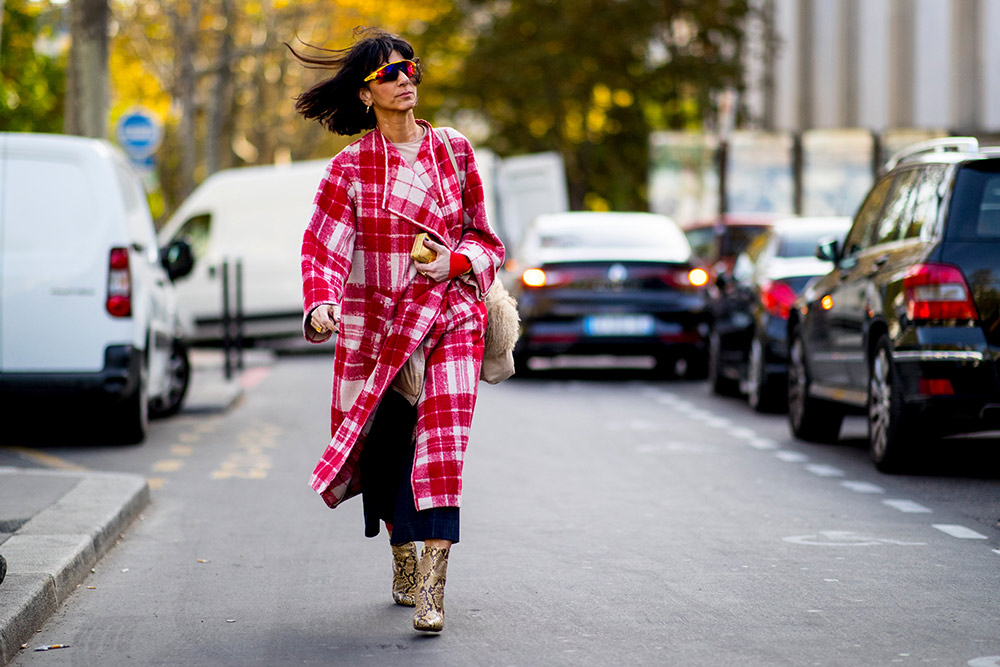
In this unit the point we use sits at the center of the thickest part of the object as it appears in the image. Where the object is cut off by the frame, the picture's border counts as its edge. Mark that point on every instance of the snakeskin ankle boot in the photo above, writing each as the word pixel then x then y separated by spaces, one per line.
pixel 431 572
pixel 404 574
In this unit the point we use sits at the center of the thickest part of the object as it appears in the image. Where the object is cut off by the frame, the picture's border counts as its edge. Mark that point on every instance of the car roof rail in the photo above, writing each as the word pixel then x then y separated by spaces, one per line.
pixel 952 144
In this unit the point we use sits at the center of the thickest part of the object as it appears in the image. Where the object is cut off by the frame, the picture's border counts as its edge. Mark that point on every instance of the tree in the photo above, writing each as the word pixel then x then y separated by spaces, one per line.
pixel 32 85
pixel 87 86
pixel 592 78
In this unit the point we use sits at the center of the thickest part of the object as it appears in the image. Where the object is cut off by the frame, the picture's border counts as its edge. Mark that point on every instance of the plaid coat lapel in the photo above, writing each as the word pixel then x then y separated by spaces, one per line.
pixel 405 191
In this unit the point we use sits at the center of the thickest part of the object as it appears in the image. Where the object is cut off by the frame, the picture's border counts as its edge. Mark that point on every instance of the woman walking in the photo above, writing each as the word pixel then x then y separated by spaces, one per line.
pixel 410 331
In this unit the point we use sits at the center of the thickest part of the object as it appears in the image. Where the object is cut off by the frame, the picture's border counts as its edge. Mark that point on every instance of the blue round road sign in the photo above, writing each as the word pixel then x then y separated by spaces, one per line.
pixel 139 133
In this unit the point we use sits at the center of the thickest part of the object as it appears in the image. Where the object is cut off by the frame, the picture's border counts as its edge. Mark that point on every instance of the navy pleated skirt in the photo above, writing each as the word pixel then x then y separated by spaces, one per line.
pixel 386 466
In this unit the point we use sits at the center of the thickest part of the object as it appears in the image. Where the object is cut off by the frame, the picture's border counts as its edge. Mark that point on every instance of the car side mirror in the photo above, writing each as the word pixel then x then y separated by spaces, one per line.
pixel 177 259
pixel 828 250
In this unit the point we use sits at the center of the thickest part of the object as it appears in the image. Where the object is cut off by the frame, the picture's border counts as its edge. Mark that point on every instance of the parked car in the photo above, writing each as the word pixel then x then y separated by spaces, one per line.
pixel 620 283
pixel 750 307
pixel 87 313
pixel 256 215
pixel 718 241
pixel 906 328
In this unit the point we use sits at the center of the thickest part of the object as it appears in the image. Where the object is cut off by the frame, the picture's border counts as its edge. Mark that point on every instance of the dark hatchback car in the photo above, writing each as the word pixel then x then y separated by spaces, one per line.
pixel 750 307
pixel 906 328
pixel 611 283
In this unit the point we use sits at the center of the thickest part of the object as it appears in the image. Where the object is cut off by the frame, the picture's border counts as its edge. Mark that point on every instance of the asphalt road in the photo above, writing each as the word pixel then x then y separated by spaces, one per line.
pixel 609 518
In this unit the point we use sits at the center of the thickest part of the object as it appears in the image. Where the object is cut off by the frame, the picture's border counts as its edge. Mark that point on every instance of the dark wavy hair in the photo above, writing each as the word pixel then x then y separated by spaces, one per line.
pixel 334 102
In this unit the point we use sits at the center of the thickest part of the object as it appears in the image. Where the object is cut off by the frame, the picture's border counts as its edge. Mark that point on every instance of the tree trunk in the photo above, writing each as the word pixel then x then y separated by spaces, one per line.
pixel 87 84
pixel 220 104
pixel 185 30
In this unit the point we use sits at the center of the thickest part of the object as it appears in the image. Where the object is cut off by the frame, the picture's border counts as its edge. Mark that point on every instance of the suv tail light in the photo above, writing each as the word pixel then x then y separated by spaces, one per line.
pixel 777 298
pixel 937 292
pixel 119 302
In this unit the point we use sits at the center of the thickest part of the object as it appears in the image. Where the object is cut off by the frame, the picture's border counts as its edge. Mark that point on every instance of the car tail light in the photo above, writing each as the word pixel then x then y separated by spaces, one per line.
pixel 777 298
pixel 698 277
pixel 939 387
pixel 937 292
pixel 534 278
pixel 119 302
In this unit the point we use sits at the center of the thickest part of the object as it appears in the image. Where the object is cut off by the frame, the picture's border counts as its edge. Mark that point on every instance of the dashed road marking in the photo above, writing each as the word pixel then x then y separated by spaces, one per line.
pixel 908 506
pixel 791 457
pixel 181 450
pixel 155 483
pixel 743 433
pixel 824 470
pixel 961 532
pixel 762 443
pixel 862 487
pixel 168 465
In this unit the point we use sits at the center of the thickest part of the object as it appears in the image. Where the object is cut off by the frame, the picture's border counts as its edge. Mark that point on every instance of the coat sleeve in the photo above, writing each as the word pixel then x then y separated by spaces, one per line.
pixel 479 242
pixel 327 246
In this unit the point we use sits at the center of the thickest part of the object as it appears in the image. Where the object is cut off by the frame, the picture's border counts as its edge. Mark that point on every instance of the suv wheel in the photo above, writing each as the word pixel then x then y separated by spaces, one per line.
pixel 810 418
pixel 179 376
pixel 721 385
pixel 762 394
pixel 889 429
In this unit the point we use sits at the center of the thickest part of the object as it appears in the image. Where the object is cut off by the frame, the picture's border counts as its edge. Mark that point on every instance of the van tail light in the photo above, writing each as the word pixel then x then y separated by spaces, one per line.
pixel 937 292
pixel 119 302
pixel 777 298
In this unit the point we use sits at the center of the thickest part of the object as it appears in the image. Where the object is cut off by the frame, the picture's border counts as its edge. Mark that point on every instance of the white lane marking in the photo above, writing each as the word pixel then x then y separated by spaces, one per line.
pixel 908 506
pixel 845 538
pixel 698 413
pixel 863 487
pixel 717 422
pixel 997 552
pixel 824 470
pixel 742 432
pixel 791 457
pixel 762 443
pixel 961 532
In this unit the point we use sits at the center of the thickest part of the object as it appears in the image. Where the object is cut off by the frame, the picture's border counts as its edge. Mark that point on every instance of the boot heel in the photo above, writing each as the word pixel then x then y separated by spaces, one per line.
pixel 404 574
pixel 431 573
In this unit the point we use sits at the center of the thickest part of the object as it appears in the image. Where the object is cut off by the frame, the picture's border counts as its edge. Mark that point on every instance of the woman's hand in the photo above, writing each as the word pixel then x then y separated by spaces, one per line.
pixel 325 318
pixel 439 268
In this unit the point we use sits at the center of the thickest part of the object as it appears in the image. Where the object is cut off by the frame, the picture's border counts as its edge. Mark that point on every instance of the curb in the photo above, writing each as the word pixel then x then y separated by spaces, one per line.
pixel 53 552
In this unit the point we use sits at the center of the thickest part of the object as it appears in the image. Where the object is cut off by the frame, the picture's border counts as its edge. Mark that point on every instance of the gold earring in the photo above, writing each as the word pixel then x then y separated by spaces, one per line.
pixel 368 108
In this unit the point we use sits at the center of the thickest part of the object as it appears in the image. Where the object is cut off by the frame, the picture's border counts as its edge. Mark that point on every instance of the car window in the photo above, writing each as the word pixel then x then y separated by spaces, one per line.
pixel 926 202
pixel 975 203
pixel 743 268
pixel 867 217
pixel 702 240
pixel 196 232
pixel 896 214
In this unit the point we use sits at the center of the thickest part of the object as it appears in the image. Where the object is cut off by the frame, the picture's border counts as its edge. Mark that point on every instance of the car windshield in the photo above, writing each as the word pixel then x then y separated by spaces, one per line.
pixel 975 206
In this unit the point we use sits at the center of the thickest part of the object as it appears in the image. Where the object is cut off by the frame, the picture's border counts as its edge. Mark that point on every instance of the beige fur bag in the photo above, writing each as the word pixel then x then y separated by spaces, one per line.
pixel 503 326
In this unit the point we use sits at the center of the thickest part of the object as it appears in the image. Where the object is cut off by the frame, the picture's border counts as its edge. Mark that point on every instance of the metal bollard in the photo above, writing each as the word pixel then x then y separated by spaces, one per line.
pixel 226 334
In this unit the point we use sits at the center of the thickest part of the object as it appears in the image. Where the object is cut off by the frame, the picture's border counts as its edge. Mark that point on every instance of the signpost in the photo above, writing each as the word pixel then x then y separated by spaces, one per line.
pixel 139 134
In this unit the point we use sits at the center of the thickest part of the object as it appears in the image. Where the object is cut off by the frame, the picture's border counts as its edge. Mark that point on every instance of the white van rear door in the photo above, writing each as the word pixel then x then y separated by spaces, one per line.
pixel 54 273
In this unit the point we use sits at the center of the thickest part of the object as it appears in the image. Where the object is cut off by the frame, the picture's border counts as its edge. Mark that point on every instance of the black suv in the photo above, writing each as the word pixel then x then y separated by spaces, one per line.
pixel 906 328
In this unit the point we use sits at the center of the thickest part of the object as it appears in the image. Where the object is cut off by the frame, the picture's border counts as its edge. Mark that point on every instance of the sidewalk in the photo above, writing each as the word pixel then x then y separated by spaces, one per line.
pixel 55 525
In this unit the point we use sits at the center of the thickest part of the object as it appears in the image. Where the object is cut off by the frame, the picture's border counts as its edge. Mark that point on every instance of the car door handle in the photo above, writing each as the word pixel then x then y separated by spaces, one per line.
pixel 880 260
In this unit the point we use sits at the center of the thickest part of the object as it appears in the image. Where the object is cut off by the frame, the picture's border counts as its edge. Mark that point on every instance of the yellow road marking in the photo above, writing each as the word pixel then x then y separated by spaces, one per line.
pixel 168 465
pixel 181 450
pixel 155 483
pixel 47 460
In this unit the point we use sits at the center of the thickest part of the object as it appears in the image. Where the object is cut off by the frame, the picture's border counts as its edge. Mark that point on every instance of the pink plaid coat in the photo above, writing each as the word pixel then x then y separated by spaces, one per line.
pixel 356 252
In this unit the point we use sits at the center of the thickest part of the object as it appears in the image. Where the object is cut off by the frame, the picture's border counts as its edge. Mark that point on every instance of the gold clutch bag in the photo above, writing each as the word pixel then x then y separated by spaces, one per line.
pixel 420 252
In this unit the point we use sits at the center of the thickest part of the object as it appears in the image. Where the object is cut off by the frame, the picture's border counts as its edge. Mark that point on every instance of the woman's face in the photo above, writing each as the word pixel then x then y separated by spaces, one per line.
pixel 391 96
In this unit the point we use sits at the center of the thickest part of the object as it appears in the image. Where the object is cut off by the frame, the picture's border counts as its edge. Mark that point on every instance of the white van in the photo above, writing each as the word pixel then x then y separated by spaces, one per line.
pixel 256 215
pixel 88 316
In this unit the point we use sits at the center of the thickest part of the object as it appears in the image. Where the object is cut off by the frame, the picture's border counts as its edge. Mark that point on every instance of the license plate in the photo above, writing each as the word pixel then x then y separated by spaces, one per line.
pixel 618 325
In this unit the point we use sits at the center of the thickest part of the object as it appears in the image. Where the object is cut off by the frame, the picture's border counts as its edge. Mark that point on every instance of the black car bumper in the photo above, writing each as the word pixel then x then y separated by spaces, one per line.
pixel 951 391
pixel 118 379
